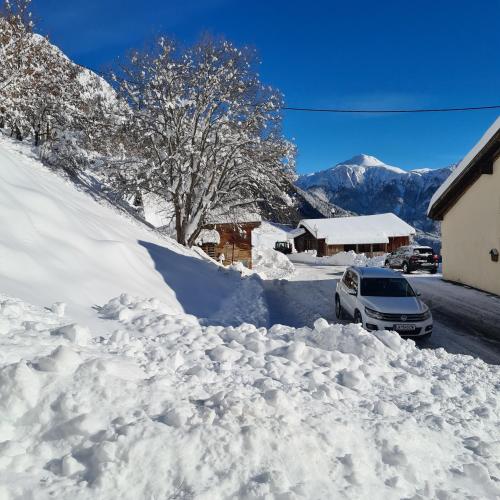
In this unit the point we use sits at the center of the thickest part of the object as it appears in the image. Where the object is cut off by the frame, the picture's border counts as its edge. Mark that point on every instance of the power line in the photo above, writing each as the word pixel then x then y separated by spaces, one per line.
pixel 360 111
pixel 416 110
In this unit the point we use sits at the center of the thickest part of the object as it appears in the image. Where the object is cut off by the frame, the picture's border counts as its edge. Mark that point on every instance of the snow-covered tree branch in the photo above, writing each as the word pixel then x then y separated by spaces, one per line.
pixel 204 131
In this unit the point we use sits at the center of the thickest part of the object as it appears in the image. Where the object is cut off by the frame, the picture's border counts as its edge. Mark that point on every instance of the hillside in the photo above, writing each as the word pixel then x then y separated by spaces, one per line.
pixel 366 185
pixel 62 242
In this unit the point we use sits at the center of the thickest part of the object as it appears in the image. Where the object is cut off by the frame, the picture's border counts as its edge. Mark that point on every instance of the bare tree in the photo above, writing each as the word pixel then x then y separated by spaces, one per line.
pixel 203 133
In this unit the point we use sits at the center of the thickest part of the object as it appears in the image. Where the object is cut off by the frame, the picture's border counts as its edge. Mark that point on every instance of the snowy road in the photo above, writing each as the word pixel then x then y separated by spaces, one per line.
pixel 466 321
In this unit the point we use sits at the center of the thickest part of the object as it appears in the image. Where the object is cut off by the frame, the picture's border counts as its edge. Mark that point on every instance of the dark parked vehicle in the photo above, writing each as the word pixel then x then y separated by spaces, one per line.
pixel 413 258
pixel 283 247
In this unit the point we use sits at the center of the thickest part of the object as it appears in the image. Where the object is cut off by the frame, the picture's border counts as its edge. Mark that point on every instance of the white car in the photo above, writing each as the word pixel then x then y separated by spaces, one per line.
pixel 381 299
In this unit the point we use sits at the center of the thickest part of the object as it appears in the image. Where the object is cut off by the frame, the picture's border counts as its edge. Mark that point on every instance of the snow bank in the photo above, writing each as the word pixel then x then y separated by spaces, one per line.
pixel 164 407
pixel 270 264
pixel 350 258
pixel 268 233
pixel 59 241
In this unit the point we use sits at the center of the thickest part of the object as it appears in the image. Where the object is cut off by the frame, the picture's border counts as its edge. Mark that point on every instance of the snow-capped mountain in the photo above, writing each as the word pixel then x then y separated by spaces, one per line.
pixel 366 185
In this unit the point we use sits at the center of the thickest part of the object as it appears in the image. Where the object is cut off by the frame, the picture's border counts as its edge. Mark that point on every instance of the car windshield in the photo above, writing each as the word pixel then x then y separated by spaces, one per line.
pixel 386 287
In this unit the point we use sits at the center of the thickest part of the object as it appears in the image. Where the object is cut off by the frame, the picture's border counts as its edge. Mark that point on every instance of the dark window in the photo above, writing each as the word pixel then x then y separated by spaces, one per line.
pixel 348 279
pixel 386 287
pixel 348 248
pixel 364 248
pixel 355 282
pixel 351 281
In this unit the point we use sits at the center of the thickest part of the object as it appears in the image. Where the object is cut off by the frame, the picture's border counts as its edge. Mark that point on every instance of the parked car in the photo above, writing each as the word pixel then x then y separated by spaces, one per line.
pixel 283 247
pixel 381 299
pixel 412 258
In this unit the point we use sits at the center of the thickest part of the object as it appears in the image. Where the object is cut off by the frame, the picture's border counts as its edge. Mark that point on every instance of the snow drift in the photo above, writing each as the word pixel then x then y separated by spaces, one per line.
pixel 63 243
pixel 163 407
pixel 350 258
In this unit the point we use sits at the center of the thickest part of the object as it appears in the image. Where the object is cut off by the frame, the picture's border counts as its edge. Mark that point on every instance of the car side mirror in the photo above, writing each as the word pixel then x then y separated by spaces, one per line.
pixel 418 294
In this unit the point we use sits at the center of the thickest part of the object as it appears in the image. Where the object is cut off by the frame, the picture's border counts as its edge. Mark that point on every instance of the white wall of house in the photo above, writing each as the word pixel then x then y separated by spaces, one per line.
pixel 470 229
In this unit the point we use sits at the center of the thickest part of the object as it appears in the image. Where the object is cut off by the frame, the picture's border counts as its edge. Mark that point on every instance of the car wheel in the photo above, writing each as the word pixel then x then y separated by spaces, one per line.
pixel 433 271
pixel 406 270
pixel 358 319
pixel 339 312
pixel 386 263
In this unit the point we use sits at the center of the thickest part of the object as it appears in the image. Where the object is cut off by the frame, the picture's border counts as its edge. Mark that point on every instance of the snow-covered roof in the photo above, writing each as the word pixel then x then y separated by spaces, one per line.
pixel 233 216
pixel 208 236
pixel 358 230
pixel 462 167
pixel 295 232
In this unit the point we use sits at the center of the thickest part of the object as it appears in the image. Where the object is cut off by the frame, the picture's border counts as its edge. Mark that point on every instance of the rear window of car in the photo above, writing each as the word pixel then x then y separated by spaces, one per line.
pixel 386 287
pixel 423 250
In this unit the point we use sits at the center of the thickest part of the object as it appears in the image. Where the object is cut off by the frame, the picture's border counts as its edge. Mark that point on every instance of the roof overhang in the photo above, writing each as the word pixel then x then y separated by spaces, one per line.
pixel 480 164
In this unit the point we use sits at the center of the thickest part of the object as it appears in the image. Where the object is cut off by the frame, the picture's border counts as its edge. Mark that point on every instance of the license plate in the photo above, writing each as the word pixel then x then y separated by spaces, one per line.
pixel 405 327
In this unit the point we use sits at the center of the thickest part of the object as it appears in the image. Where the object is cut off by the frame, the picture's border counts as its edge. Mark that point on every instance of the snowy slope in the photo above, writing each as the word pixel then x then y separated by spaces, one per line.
pixel 59 243
pixel 366 185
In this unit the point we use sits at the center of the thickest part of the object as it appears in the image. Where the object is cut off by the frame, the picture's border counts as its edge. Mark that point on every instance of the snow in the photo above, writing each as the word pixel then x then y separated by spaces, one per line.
pixel 358 230
pixel 268 233
pixel 208 236
pixel 63 243
pixel 462 166
pixel 368 161
pixel 270 264
pixel 350 258
pixel 132 368
pixel 161 406
pixel 267 262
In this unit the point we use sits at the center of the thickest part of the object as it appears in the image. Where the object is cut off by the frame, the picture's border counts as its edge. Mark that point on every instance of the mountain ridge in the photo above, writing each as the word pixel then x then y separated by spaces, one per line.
pixel 366 185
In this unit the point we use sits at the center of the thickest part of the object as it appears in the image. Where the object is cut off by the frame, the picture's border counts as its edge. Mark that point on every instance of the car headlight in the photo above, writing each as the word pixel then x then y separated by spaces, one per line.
pixel 373 314
pixel 427 314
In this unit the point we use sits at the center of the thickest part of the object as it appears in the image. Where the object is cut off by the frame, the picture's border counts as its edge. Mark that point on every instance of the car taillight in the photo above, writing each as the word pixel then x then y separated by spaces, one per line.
pixel 436 258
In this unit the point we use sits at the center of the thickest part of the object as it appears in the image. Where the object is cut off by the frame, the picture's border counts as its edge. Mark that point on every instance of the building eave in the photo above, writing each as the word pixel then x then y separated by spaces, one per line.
pixel 480 164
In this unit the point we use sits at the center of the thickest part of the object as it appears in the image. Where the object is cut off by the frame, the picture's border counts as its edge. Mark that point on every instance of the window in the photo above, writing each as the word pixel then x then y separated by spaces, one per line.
pixel 423 251
pixel 355 281
pixel 351 281
pixel 364 248
pixel 386 287
pixel 348 279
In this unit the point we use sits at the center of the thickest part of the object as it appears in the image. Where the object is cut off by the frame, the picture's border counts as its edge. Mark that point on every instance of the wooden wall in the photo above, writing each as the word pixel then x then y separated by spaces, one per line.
pixel 307 241
pixel 396 242
pixel 235 243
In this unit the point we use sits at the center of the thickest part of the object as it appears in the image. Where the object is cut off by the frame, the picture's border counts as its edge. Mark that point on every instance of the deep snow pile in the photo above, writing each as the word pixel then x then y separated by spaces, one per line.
pixel 162 407
pixel 61 243
pixel 268 233
pixel 270 264
pixel 350 258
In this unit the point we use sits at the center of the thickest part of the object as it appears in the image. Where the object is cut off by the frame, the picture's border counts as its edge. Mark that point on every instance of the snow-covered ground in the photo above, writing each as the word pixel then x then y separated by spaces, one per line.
pixel 163 407
pixel 111 395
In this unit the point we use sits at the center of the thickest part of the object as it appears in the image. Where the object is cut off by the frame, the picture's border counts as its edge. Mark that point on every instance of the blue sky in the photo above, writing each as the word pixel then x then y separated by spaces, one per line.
pixel 359 53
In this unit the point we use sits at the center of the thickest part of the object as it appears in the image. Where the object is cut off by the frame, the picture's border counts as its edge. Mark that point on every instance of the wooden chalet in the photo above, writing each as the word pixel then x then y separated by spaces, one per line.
pixel 369 234
pixel 229 240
